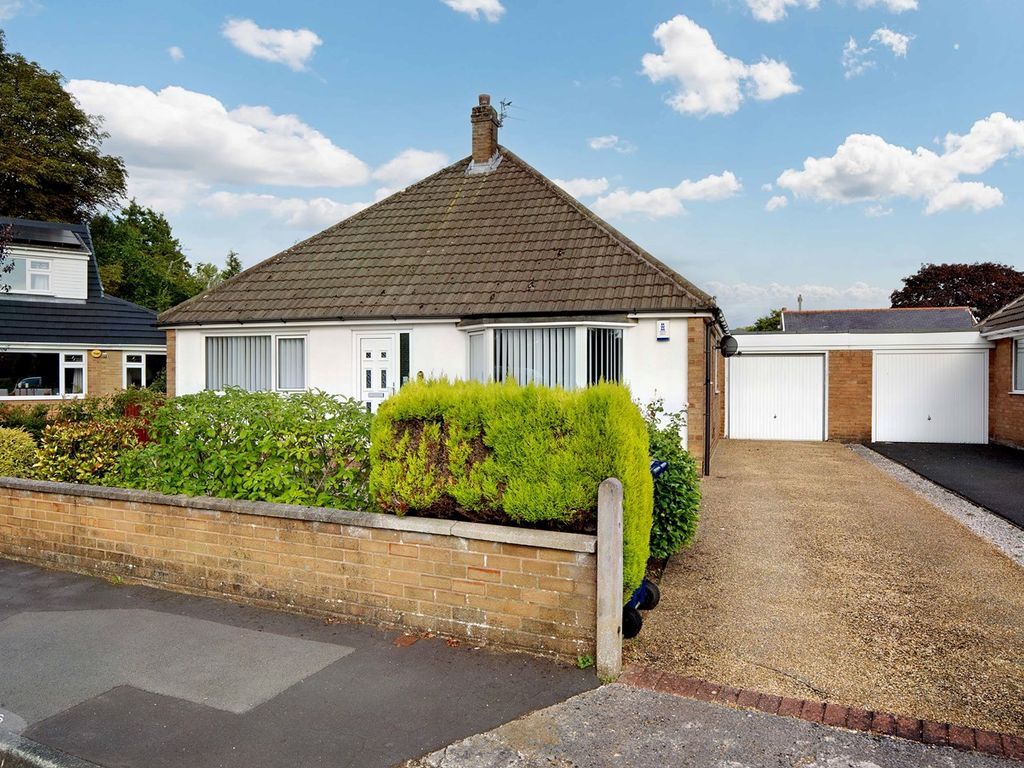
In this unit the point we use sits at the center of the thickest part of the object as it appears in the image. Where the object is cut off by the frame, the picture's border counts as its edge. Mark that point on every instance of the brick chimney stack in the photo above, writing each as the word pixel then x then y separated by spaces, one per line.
pixel 485 130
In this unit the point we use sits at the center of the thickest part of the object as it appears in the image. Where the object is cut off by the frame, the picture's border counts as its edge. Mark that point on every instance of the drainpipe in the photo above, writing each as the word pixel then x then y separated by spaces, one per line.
pixel 707 397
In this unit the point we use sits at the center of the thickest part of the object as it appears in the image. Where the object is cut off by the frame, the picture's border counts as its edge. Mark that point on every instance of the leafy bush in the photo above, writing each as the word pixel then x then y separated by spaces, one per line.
pixel 85 451
pixel 17 452
pixel 31 418
pixel 528 456
pixel 307 448
pixel 677 489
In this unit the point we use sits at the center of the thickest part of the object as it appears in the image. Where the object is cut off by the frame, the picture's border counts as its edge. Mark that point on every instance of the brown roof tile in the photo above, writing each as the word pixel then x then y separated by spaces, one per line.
pixel 453 245
pixel 1010 317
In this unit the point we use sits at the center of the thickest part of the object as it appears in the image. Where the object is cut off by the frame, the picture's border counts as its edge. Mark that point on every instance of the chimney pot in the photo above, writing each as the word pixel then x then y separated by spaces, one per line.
pixel 485 99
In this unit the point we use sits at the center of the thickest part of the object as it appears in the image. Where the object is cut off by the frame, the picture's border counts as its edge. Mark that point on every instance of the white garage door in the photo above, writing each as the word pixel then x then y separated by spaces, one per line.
pixel 777 397
pixel 931 397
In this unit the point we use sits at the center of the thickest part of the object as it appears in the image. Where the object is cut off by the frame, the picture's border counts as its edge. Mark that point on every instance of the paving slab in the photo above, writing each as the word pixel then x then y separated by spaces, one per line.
pixel 621 726
pixel 991 476
pixel 124 675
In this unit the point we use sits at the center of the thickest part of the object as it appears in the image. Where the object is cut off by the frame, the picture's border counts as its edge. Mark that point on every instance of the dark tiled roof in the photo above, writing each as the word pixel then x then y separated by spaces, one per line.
pixel 100 320
pixel 454 245
pixel 906 320
pixel 1009 317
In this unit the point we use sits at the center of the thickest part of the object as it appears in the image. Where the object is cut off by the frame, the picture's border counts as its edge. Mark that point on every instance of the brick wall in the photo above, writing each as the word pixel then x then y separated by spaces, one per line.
pixel 106 374
pixel 1005 411
pixel 849 394
pixel 695 373
pixel 171 365
pixel 529 590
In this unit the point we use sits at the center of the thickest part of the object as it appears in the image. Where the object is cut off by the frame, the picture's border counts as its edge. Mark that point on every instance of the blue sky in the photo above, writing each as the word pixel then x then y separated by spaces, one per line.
pixel 269 121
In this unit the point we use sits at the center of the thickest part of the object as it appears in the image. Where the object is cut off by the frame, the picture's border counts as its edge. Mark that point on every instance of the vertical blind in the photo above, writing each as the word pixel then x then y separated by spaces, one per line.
pixel 291 363
pixel 238 361
pixel 604 355
pixel 536 355
pixel 1018 365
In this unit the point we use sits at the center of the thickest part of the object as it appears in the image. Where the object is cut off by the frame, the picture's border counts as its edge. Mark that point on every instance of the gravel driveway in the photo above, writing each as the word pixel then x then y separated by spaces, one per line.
pixel 816 575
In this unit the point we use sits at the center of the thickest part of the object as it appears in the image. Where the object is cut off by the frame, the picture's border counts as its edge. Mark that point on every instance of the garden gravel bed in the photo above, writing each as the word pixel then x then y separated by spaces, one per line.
pixel 817 575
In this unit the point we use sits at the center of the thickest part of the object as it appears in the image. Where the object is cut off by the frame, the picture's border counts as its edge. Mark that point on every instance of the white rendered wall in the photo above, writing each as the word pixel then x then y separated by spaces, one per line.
pixel 655 369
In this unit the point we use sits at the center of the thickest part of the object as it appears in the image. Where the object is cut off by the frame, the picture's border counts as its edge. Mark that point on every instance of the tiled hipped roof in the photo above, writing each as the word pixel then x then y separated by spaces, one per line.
pixel 1010 317
pixel 454 245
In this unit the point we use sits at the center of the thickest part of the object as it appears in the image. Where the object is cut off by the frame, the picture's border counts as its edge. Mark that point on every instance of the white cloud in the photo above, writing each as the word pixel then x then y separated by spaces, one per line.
pixel 895 6
pixel 611 141
pixel 176 53
pixel 866 168
pixel 668 201
pixel 776 202
pixel 11 8
pixel 896 42
pixel 767 187
pixel 580 188
pixel 877 211
pixel 858 59
pixel 180 131
pixel 492 10
pixel 746 301
pixel 408 166
pixel 314 213
pixel 291 47
pixel 775 10
pixel 708 81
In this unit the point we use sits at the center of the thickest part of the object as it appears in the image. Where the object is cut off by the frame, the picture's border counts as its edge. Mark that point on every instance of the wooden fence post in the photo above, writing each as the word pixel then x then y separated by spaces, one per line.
pixel 609 580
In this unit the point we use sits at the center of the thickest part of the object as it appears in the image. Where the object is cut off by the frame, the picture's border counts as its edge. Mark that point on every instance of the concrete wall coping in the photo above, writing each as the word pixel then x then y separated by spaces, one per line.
pixel 528 537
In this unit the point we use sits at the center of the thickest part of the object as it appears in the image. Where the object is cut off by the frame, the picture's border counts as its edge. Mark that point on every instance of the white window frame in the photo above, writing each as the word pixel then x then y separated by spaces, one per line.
pixel 63 364
pixel 1016 347
pixel 273 355
pixel 31 270
pixel 278 338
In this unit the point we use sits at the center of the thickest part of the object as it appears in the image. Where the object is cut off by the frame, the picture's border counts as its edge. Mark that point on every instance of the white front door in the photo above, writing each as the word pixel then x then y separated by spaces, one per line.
pixel 777 397
pixel 377 375
pixel 931 397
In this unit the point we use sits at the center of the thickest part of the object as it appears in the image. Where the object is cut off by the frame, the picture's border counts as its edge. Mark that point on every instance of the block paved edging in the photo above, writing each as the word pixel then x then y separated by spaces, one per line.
pixel 837 715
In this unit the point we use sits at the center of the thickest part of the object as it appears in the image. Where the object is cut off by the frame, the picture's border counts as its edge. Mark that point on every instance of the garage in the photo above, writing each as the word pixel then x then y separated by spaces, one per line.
pixel 776 397
pixel 931 397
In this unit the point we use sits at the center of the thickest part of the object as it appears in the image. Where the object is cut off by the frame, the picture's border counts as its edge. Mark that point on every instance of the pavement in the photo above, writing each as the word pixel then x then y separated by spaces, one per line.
pixel 991 476
pixel 124 675
pixel 622 726
pixel 815 575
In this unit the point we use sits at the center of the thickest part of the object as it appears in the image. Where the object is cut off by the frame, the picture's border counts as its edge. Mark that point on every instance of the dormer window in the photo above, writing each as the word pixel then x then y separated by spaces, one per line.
pixel 38 275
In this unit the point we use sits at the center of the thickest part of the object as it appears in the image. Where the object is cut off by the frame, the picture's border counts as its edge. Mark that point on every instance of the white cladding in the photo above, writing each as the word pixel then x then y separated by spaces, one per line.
pixel 777 397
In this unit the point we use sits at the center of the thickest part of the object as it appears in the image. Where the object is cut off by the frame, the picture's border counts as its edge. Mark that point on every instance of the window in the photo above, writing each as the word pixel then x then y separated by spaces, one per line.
pixel 42 374
pixel 291 363
pixel 1018 365
pixel 38 275
pixel 143 370
pixel 536 355
pixel 403 359
pixel 238 361
pixel 604 355
pixel 478 356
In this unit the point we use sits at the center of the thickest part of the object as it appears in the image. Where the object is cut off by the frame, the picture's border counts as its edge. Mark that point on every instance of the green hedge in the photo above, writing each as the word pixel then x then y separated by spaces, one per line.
pixel 677 489
pixel 528 456
pixel 307 448
pixel 17 452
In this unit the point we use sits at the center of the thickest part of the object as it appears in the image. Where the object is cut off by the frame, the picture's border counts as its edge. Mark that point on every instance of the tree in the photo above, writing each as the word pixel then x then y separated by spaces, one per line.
pixel 232 266
pixel 984 287
pixel 6 264
pixel 770 322
pixel 51 166
pixel 140 259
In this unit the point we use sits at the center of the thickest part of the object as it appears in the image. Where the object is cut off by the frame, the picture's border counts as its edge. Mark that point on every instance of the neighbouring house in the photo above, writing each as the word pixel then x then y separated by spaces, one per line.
pixel 886 375
pixel 1005 329
pixel 485 270
pixel 60 335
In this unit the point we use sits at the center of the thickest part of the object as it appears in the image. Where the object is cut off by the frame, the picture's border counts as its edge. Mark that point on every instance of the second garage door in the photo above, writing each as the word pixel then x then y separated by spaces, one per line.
pixel 777 397
pixel 931 397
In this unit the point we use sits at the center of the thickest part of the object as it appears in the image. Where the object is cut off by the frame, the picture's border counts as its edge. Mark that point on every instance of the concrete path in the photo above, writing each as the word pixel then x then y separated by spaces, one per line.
pixel 620 726
pixel 991 476
pixel 816 575
pixel 131 676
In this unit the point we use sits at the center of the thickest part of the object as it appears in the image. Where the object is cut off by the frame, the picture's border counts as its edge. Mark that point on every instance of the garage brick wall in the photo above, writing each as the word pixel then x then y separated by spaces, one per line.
pixel 849 395
pixel 695 376
pixel 1005 411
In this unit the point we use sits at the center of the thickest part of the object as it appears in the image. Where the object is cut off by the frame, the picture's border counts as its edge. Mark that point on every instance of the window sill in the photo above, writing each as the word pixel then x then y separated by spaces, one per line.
pixel 1016 392
pixel 36 398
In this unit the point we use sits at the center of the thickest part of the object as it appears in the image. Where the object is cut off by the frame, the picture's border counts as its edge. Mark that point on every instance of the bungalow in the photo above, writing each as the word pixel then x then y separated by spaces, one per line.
pixel 1005 329
pixel 485 270
pixel 886 375
pixel 61 336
